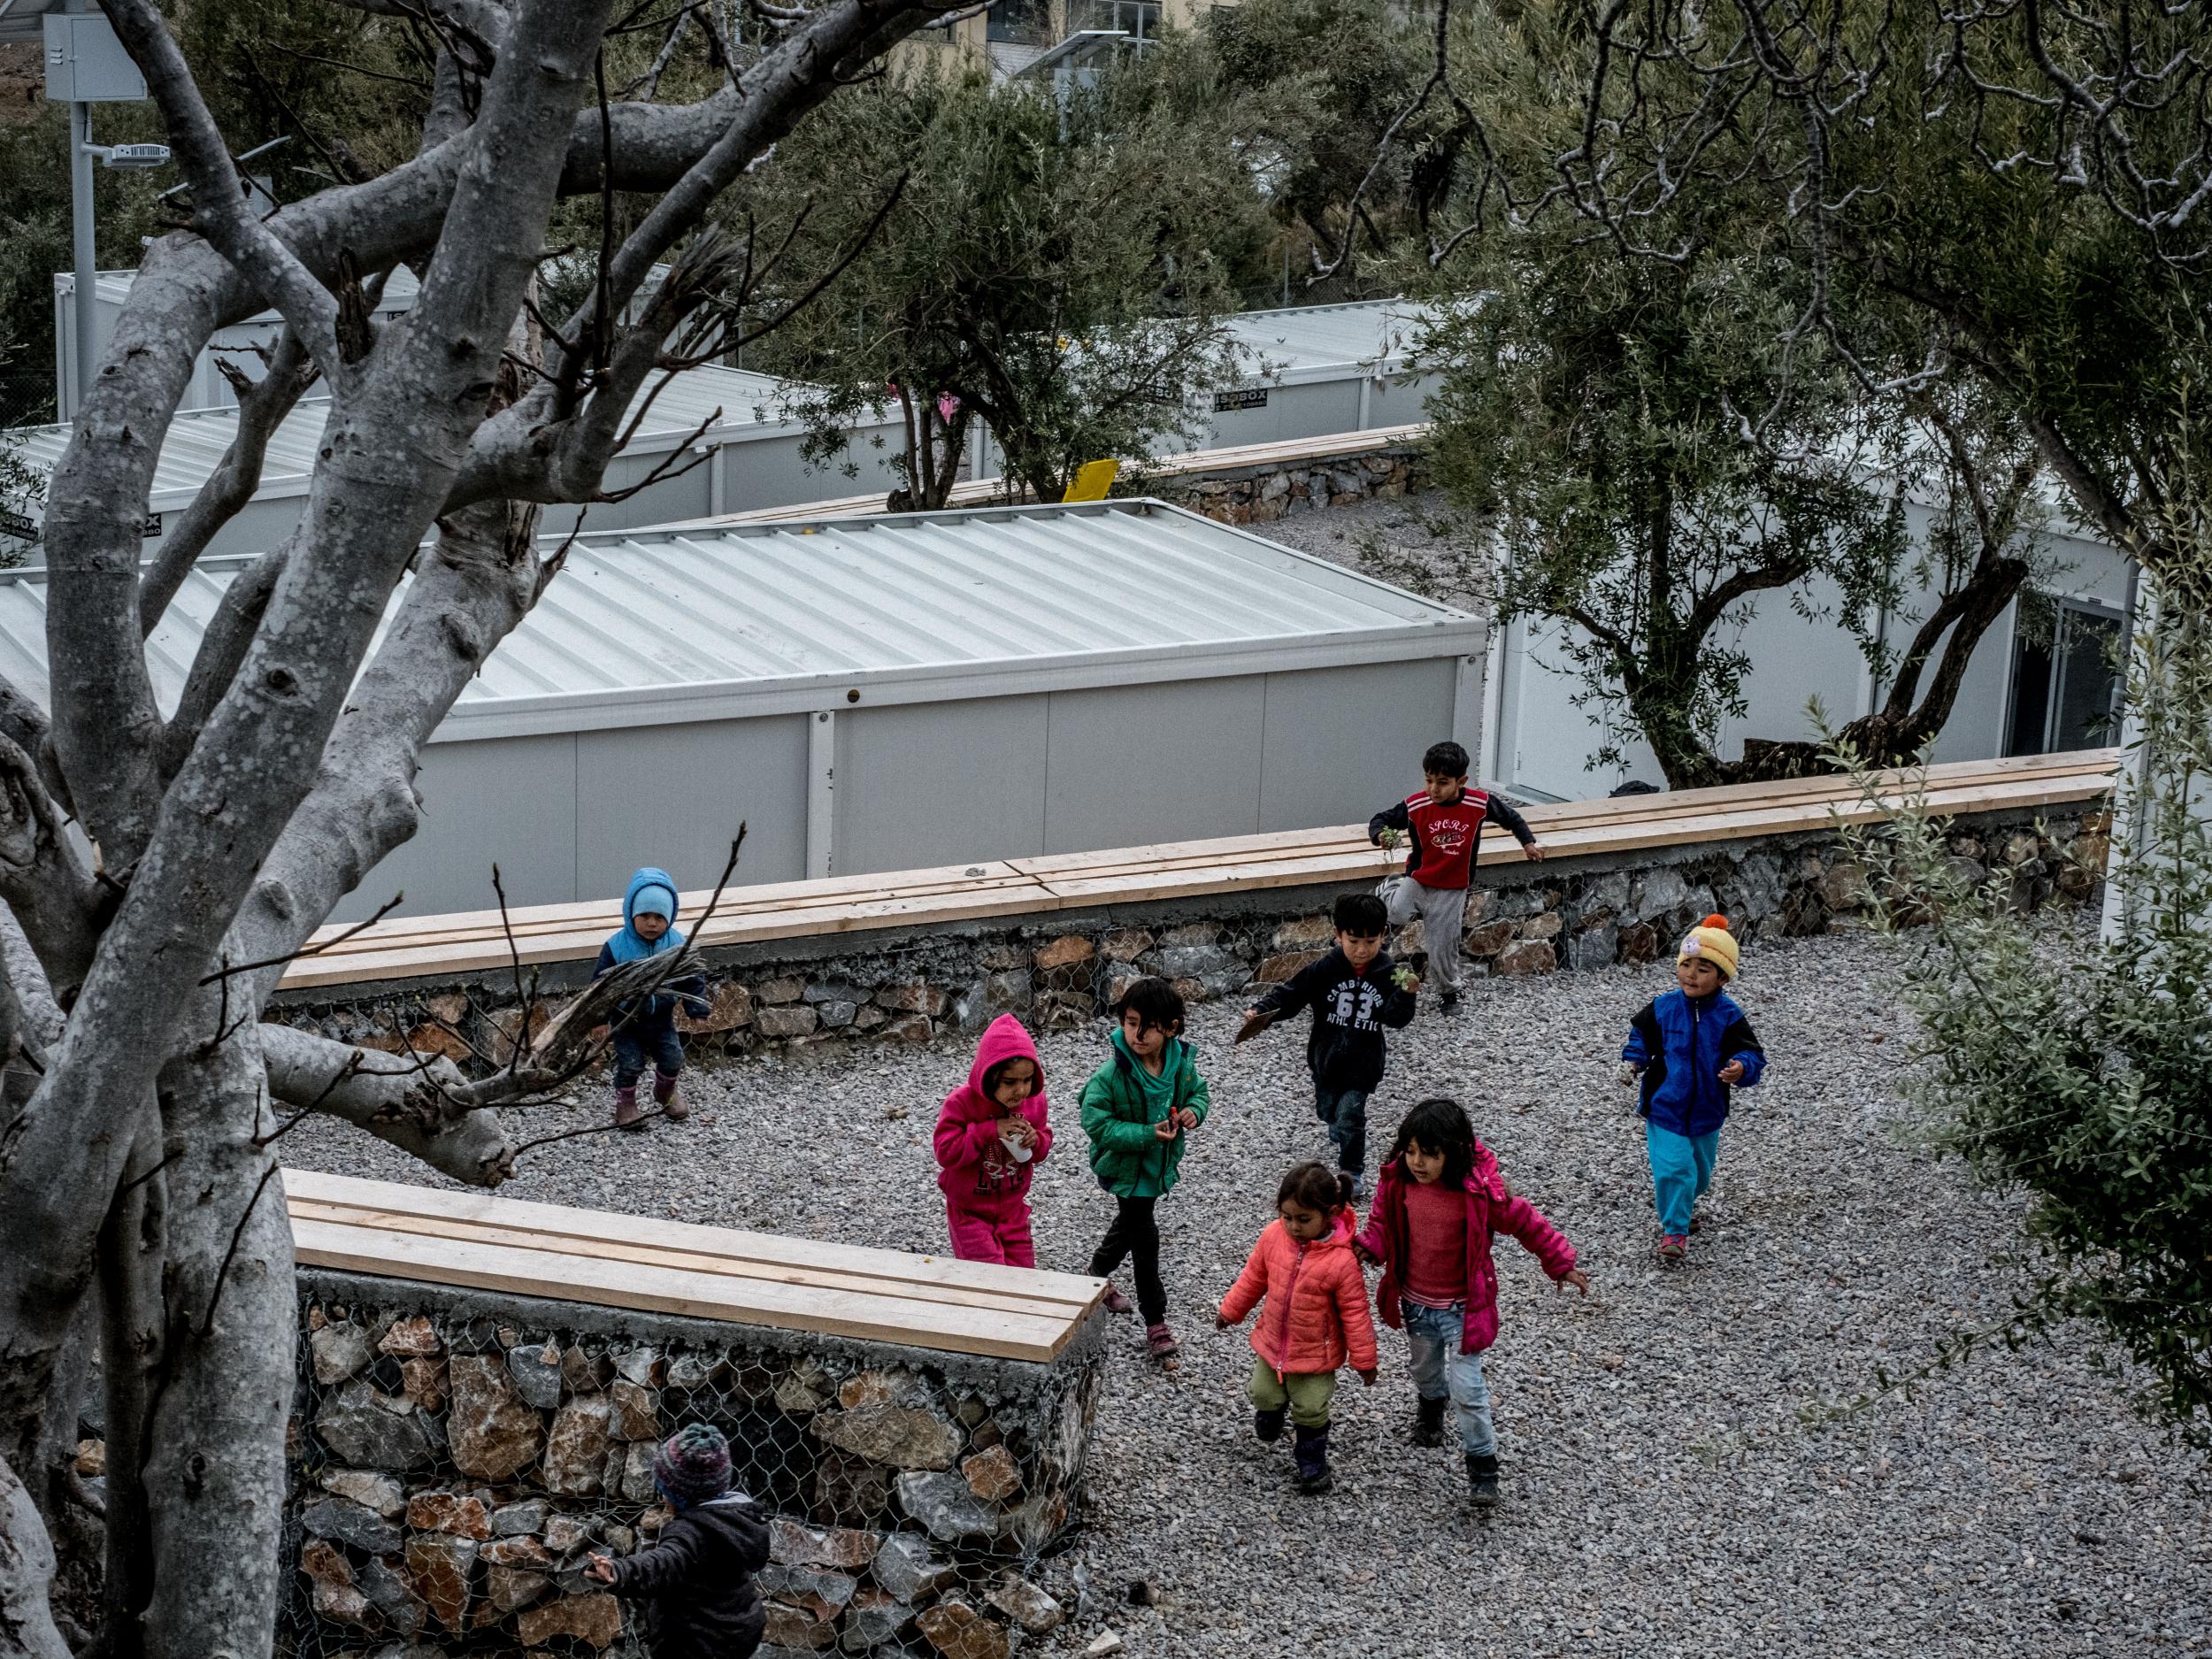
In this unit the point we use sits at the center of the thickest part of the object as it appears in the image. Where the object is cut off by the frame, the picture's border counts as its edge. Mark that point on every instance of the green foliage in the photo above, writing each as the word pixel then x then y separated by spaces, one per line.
pixel 1325 79
pixel 2083 1074
pixel 1598 412
pixel 1053 270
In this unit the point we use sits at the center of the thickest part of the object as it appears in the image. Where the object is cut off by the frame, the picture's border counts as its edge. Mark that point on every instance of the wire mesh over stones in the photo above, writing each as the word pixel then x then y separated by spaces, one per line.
pixel 452 1474
pixel 1066 970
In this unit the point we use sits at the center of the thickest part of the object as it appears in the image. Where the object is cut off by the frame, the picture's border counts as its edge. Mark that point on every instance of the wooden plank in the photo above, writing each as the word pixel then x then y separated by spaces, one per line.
pixel 474 942
pixel 1065 1291
pixel 564 1244
pixel 875 1318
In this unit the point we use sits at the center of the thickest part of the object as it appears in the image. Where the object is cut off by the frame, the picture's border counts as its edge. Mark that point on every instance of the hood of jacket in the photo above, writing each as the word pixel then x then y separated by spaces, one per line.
pixel 1005 1038
pixel 629 945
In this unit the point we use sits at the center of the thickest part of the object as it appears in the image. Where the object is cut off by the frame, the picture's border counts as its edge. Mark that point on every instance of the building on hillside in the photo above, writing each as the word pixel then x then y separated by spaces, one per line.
pixel 893 692
pixel 746 456
pixel 1013 34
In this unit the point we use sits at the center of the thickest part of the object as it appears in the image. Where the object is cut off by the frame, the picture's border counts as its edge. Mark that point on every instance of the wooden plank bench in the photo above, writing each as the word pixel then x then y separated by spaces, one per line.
pixel 476 1241
pixel 474 942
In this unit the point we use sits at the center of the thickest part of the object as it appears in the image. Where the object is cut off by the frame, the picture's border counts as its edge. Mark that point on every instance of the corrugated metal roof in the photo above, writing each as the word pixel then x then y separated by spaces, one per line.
pixel 661 626
pixel 752 406
pixel 1323 342
pixel 112 287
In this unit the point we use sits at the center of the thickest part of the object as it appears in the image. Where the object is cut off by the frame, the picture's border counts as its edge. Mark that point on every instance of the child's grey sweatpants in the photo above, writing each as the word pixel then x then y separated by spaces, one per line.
pixel 1440 910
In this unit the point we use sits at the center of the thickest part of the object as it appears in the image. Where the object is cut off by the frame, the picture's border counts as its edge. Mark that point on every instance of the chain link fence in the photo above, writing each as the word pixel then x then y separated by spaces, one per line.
pixel 455 1465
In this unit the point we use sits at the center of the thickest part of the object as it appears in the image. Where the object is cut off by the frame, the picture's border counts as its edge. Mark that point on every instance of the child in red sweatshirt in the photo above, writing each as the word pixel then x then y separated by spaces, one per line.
pixel 991 1135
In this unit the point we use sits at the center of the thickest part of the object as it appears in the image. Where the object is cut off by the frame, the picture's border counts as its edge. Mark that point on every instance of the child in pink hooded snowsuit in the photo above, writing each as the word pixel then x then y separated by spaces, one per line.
pixel 991 1136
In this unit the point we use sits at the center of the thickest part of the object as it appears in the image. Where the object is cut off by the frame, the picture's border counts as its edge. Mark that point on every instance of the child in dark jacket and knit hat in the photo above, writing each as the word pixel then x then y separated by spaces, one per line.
pixel 696 1581
pixel 1690 1047
pixel 647 1024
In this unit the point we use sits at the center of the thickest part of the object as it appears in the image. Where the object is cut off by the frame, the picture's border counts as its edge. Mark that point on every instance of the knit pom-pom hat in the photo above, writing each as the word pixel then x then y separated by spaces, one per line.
pixel 693 1464
pixel 1711 940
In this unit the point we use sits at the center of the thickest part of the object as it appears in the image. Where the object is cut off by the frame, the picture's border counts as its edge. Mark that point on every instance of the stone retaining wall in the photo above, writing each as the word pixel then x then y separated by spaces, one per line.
pixel 456 1458
pixel 839 991
pixel 1276 489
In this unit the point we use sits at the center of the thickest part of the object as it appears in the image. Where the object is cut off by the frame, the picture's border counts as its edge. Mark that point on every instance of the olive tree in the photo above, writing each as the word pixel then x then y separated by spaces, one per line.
pixel 159 865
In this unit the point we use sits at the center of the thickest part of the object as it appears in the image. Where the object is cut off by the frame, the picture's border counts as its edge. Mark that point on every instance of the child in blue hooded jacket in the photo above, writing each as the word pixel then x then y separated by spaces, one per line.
pixel 647 1024
pixel 1691 1046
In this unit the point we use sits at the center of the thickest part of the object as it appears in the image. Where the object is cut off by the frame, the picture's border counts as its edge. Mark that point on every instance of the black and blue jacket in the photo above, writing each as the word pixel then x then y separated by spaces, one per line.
pixel 1682 1043
pixel 1344 1051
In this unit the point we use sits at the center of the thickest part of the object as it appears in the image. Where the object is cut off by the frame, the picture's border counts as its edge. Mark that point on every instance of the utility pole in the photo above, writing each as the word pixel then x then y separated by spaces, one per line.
pixel 86 64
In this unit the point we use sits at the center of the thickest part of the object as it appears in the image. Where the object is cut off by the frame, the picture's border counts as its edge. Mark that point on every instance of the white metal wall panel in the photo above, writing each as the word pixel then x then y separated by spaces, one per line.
pixel 1341 743
pixel 510 802
pixel 1135 765
pixel 940 783
pixel 673 795
pixel 1315 410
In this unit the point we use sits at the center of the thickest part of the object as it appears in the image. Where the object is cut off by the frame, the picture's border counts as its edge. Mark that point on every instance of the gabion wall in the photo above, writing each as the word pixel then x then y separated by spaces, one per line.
pixel 456 1458
pixel 1059 970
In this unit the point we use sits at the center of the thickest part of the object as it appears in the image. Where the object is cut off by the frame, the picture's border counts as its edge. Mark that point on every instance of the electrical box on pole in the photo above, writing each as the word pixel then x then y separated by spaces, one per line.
pixel 86 64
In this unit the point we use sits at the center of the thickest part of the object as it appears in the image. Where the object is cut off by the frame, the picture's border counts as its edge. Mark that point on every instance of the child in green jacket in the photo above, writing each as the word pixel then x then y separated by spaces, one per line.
pixel 1136 1109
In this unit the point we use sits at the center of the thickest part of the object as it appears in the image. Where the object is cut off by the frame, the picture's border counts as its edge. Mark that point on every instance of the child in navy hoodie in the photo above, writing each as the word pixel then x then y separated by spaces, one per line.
pixel 1691 1046
pixel 647 1024
pixel 1354 992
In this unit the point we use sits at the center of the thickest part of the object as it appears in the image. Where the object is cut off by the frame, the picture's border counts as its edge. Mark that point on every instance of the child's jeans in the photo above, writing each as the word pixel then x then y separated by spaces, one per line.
pixel 1307 1394
pixel 1344 1111
pixel 999 1238
pixel 653 1034
pixel 1439 1368
pixel 1681 1169
pixel 1441 910
pixel 1135 1237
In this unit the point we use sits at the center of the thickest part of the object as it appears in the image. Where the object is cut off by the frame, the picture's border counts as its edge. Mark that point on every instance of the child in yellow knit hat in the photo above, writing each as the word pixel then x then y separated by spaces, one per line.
pixel 1692 1047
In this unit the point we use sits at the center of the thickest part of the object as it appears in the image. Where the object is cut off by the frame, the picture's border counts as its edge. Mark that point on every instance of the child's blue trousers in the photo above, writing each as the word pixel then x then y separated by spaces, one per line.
pixel 1681 1169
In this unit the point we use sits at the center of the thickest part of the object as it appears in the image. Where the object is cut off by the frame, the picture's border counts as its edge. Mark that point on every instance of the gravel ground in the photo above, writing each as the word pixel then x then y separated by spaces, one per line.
pixel 1411 542
pixel 1676 1482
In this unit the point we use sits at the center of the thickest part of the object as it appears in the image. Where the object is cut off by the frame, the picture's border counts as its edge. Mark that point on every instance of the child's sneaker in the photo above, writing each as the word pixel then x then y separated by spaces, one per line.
pixel 1267 1427
pixel 1428 1421
pixel 1116 1303
pixel 1160 1343
pixel 1482 1479
pixel 1674 1246
pixel 1359 1185
pixel 1447 1000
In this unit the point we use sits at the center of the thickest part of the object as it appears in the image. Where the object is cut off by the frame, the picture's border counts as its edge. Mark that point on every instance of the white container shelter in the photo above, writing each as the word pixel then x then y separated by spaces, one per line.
pixel 897 692
pixel 748 455
pixel 1314 371
pixel 2035 684
pixel 207 390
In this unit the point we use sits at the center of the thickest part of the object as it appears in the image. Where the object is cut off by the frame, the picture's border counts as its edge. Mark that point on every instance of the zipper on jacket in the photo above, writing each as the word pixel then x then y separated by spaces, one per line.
pixel 1297 1266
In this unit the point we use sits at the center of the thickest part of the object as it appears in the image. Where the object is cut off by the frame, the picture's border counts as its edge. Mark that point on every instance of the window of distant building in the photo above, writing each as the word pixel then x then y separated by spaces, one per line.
pixel 2065 676
pixel 1138 20
pixel 1028 22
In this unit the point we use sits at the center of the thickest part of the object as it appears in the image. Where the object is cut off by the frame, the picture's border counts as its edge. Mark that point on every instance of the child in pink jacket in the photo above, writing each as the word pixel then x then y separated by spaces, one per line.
pixel 991 1135
pixel 1315 1315
pixel 1440 1199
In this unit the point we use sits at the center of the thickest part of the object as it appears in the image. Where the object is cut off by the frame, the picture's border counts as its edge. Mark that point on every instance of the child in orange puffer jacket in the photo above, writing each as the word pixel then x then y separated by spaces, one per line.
pixel 1315 1319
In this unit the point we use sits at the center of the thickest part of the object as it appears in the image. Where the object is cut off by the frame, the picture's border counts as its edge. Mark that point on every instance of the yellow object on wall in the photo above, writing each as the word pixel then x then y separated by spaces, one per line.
pixel 1091 480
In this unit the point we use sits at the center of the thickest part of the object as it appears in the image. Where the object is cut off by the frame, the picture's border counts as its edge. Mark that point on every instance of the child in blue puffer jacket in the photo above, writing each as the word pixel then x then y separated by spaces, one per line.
pixel 1691 1046
pixel 647 1024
